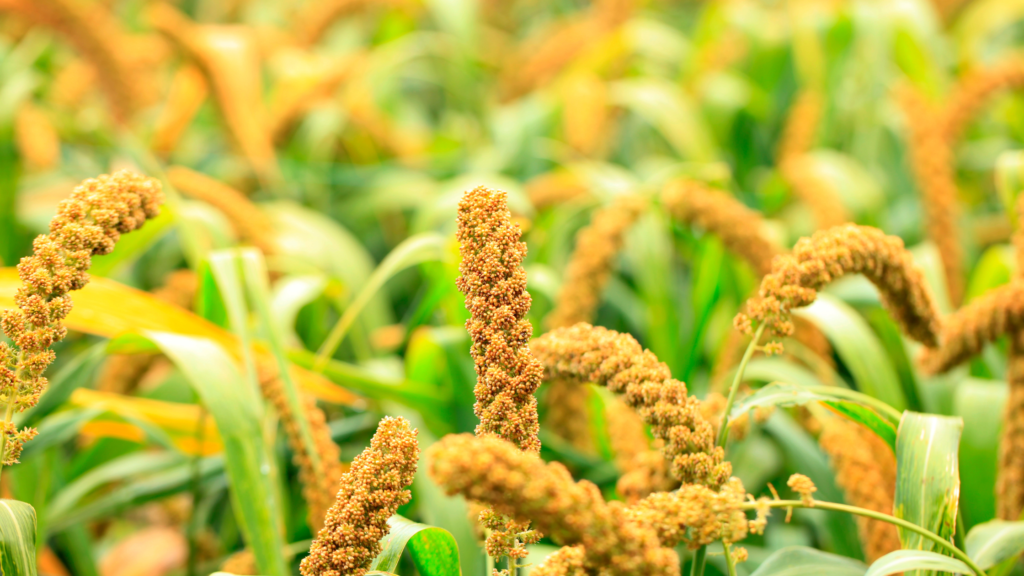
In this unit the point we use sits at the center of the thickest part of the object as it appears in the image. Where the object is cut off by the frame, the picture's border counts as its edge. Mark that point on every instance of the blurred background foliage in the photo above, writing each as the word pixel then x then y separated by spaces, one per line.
pixel 336 139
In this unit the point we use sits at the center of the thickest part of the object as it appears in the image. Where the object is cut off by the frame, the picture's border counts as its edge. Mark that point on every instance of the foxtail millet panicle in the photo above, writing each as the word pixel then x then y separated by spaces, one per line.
pixel 587 273
pixel 95 34
pixel 87 223
pixel 974 90
pixel 695 515
pixel 36 138
pixel 931 161
pixel 865 469
pixel 966 331
pixel 740 229
pixel 642 470
pixel 521 485
pixel 370 493
pixel 605 357
pixel 543 56
pixel 1010 475
pixel 795 166
pixel 249 222
pixel 494 282
pixel 319 478
pixel 566 561
pixel 831 254
pixel 590 266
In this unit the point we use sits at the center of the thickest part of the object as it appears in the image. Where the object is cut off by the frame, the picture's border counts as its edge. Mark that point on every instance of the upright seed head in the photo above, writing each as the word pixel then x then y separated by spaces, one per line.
pixel 371 491
pixel 494 282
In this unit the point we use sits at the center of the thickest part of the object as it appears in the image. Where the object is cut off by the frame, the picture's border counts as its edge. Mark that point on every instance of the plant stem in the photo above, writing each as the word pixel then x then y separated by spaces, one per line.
pixel 698 561
pixel 729 562
pixel 8 414
pixel 957 553
pixel 723 431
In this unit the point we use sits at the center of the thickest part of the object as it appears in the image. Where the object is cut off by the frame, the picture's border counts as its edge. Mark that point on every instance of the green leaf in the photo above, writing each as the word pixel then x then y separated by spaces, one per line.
pixel 255 278
pixel 669 110
pixel 289 295
pixel 433 550
pixel 907 560
pixel 231 402
pixel 131 246
pixel 976 401
pixel 414 250
pixel 996 267
pixel 838 532
pixel 127 466
pixel 876 415
pixel 801 560
pixel 773 368
pixel 927 476
pixel 993 542
pixel 17 538
pixel 861 351
pixel 430 401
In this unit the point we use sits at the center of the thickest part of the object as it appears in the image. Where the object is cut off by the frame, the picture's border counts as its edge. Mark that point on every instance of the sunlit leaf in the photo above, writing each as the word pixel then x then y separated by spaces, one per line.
pixel 800 560
pixel 17 538
pixel 907 561
pixel 927 476
pixel 433 550
pixel 990 543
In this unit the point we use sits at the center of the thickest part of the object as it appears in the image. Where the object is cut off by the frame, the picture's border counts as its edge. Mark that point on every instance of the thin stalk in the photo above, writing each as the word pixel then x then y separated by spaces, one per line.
pixel 698 561
pixel 957 553
pixel 730 563
pixel 723 431
pixel 8 414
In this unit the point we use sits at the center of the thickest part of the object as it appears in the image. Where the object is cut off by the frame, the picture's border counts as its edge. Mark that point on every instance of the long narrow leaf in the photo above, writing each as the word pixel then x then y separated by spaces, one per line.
pixel 414 250
pixel 223 391
pixel 927 476
pixel 17 538
pixel 902 561
pixel 800 560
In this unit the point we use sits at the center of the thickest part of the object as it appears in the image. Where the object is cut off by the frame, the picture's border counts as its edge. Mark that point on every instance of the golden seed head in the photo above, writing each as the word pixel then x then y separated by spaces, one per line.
pixel 865 469
pixel 966 331
pixel 741 229
pixel 520 485
pixel 494 282
pixel 831 254
pixel 803 486
pixel 88 222
pixel 695 515
pixel 371 491
pixel 606 358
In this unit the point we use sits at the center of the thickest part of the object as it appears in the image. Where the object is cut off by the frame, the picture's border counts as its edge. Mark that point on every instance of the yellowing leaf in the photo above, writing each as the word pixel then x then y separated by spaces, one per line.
pixel 109 309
